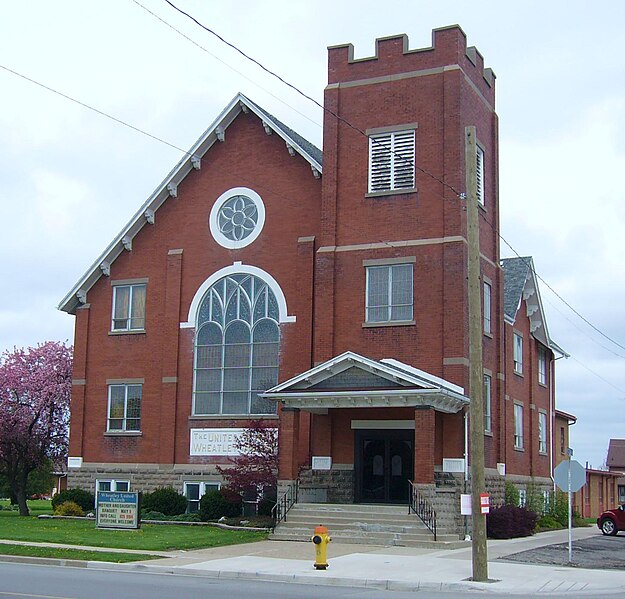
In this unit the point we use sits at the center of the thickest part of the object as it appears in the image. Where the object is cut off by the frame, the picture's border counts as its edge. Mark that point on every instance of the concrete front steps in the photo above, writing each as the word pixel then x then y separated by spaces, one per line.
pixel 385 525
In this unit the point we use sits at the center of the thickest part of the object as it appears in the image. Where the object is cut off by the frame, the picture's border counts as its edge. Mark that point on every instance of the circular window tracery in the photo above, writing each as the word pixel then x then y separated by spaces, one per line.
pixel 237 218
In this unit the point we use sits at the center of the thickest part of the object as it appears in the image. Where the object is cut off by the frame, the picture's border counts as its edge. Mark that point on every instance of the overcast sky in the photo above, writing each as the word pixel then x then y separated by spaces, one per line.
pixel 70 179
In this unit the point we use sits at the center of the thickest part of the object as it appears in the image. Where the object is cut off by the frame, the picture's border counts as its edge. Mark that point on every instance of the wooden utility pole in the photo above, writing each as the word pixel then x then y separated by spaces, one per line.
pixel 476 371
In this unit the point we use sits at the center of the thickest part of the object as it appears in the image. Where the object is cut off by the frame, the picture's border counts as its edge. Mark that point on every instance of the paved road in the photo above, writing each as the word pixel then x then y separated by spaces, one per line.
pixel 600 552
pixel 21 581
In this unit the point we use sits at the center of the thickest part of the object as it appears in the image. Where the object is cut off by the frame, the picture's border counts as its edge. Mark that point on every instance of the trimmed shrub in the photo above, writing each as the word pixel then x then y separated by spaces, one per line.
pixel 69 508
pixel 149 515
pixel 216 504
pixel 165 500
pixel 511 494
pixel 83 498
pixel 510 522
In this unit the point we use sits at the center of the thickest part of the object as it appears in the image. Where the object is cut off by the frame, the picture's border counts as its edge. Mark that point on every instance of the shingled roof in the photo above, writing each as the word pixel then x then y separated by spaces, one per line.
pixel 521 283
pixel 616 454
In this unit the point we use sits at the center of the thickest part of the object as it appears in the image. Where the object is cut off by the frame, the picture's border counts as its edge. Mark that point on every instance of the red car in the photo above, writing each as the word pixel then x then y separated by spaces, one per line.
pixel 611 521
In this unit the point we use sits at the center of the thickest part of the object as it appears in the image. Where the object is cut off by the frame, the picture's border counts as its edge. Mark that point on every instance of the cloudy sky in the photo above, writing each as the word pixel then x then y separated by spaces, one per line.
pixel 71 178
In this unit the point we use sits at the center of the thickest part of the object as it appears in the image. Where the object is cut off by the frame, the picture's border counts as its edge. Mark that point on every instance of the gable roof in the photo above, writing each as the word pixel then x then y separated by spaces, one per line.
pixel 295 144
pixel 521 283
pixel 391 384
pixel 616 454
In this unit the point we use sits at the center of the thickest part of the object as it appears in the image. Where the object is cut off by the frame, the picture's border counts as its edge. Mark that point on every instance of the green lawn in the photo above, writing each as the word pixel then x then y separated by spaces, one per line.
pixel 75 554
pixel 151 537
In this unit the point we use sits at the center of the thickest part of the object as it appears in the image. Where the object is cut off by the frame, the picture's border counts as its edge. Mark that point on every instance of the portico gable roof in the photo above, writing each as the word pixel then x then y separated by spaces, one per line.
pixel 354 381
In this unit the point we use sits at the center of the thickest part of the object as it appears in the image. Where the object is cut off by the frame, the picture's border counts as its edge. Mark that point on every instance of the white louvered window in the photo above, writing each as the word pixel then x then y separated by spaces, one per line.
pixel 392 161
pixel 487 404
pixel 480 175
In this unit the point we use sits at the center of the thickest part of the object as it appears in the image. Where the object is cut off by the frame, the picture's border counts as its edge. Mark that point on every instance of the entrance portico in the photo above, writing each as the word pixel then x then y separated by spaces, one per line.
pixel 379 424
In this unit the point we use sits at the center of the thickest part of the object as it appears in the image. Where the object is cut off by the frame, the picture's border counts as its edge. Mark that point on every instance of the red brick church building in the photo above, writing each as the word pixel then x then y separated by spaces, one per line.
pixel 324 294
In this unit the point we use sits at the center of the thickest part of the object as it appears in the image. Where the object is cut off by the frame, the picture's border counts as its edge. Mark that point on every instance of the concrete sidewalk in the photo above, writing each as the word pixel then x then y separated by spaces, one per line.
pixel 392 568
pixel 396 568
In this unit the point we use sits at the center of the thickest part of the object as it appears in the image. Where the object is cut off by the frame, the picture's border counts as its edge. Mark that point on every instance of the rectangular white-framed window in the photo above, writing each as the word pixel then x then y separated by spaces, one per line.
pixel 124 408
pixel 392 161
pixel 542 432
pixel 546 502
pixel 487 308
pixel 518 426
pixel 128 307
pixel 389 293
pixel 479 169
pixel 195 490
pixel 110 484
pixel 518 353
pixel 522 497
pixel 487 404
pixel 542 366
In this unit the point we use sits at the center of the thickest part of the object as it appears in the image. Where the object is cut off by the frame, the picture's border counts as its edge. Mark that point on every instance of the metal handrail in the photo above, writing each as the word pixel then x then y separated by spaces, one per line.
pixel 419 505
pixel 285 503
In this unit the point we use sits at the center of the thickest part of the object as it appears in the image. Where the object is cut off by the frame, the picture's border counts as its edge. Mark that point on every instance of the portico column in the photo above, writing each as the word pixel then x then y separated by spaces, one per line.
pixel 424 445
pixel 288 435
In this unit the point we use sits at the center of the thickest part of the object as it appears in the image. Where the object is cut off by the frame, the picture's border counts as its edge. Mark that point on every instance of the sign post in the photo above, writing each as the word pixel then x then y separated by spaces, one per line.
pixel 570 476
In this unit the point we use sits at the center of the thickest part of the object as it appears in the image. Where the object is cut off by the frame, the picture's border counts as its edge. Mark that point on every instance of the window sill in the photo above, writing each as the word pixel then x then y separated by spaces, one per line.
pixel 543 385
pixel 138 332
pixel 390 192
pixel 518 373
pixel 543 453
pixel 123 434
pixel 489 335
pixel 195 417
pixel 522 449
pixel 488 433
pixel 388 323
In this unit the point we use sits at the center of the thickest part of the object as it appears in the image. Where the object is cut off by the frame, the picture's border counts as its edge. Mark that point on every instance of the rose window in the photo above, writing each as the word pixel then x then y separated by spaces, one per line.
pixel 237 218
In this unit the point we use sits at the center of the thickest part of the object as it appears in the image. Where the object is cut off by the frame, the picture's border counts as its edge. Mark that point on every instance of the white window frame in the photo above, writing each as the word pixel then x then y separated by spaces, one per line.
pixel 130 317
pixel 487 308
pixel 203 484
pixel 518 426
pixel 479 170
pixel 488 425
pixel 399 161
pixel 125 418
pixel 522 497
pixel 517 353
pixel 390 305
pixel 542 432
pixel 114 483
pixel 542 366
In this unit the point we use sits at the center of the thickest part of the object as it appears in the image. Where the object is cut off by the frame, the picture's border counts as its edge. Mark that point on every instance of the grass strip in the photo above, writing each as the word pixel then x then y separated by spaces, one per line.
pixel 76 554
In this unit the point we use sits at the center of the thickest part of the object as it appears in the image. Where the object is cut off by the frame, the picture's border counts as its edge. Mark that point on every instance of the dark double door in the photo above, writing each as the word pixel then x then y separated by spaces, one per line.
pixel 384 463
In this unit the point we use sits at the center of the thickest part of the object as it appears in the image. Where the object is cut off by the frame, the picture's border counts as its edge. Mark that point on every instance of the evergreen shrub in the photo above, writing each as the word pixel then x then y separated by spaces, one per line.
pixel 84 499
pixel 510 522
pixel 218 503
pixel 165 500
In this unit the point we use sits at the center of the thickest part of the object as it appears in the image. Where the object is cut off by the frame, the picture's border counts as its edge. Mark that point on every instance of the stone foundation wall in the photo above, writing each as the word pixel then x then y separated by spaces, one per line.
pixel 327 486
pixel 142 477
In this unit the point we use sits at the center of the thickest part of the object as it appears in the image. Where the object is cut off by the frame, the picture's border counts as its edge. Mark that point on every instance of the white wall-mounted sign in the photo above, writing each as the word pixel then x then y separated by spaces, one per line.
pixel 74 462
pixel 465 505
pixel 214 441
pixel 321 462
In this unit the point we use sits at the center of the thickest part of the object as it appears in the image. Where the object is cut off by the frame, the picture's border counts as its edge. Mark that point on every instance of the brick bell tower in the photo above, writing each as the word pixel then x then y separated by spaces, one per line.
pixel 394 169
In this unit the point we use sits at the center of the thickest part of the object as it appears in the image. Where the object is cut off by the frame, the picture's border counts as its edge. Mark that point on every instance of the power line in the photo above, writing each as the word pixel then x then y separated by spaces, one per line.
pixel 314 122
pixel 339 118
pixel 100 112
pixel 359 130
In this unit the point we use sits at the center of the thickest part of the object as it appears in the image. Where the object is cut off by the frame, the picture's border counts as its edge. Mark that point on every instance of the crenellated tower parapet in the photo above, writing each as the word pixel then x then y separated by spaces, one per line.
pixel 393 58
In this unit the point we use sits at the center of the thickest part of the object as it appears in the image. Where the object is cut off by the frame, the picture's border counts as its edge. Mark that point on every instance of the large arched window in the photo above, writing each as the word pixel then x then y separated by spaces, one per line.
pixel 237 343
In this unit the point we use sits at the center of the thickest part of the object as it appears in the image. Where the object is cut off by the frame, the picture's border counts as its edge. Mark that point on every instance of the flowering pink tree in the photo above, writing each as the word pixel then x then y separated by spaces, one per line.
pixel 256 468
pixel 35 389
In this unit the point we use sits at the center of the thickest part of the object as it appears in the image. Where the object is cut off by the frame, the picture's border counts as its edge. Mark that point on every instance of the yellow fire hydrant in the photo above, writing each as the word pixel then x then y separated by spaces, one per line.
pixel 321 538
